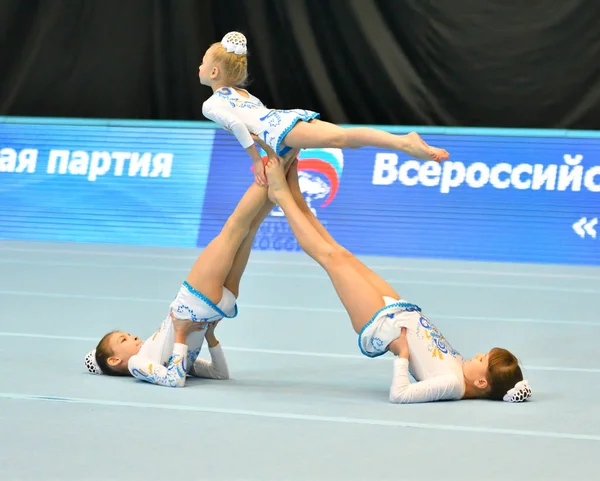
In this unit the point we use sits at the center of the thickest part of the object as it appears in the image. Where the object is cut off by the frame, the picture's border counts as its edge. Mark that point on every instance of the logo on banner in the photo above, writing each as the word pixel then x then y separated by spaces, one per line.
pixel 319 176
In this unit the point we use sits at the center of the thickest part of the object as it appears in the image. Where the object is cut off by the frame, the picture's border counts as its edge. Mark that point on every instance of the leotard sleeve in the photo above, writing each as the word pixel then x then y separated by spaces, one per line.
pixel 173 375
pixel 216 368
pixel 438 388
pixel 215 111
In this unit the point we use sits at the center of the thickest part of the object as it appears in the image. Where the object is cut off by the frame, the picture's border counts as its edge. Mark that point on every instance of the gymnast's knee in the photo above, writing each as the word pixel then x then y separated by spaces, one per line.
pixel 338 138
pixel 333 256
pixel 345 253
pixel 236 225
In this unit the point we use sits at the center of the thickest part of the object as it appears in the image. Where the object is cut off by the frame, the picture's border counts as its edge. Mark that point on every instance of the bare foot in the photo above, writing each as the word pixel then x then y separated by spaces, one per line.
pixel 276 176
pixel 420 150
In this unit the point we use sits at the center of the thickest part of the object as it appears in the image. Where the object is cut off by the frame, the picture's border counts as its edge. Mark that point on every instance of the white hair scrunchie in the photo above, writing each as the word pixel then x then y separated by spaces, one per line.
pixel 520 393
pixel 91 363
pixel 235 42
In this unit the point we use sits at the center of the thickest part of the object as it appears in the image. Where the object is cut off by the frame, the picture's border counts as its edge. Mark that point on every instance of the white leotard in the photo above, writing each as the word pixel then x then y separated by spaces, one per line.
pixel 434 364
pixel 164 362
pixel 244 116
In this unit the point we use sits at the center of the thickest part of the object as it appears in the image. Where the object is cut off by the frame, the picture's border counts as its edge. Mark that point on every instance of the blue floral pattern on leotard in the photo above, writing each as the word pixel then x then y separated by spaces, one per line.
pixel 377 343
pixel 274 124
pixel 192 356
pixel 439 346
pixel 175 372
pixel 243 103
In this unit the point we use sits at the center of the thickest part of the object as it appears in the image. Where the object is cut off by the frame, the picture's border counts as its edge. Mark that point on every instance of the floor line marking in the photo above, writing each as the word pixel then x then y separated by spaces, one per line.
pixel 301 417
pixel 192 257
pixel 293 308
pixel 284 352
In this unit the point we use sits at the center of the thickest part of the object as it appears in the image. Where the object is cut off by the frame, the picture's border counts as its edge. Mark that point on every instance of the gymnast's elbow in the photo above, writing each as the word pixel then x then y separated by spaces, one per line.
pixel 222 375
pixel 399 396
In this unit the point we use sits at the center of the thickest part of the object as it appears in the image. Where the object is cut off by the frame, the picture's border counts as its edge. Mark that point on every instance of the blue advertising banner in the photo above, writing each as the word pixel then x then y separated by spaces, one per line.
pixel 133 184
pixel 517 196
pixel 499 198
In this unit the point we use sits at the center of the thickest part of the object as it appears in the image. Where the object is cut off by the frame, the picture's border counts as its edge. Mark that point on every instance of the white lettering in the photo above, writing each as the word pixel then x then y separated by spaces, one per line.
pixel 543 176
pixel 139 163
pixel 120 158
pixel 589 179
pixel 385 172
pixel 27 161
pixel 570 160
pixel 63 155
pixel 495 180
pixel 99 165
pixel 79 163
pixel 429 174
pixel 448 180
pixel 403 173
pixel 161 165
pixel 8 159
pixel 572 173
pixel 517 172
pixel 478 174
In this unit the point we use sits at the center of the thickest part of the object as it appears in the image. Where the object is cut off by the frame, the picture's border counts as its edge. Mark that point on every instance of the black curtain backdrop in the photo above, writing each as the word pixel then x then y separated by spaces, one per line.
pixel 494 63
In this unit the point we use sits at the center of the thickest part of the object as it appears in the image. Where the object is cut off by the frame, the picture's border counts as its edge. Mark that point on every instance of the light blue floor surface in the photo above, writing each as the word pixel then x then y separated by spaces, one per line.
pixel 302 404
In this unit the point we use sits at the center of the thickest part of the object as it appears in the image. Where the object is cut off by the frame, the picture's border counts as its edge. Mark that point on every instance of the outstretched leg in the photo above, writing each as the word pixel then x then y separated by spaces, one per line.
pixel 319 134
pixel 379 284
pixel 360 299
pixel 223 261
pixel 211 269
pixel 232 282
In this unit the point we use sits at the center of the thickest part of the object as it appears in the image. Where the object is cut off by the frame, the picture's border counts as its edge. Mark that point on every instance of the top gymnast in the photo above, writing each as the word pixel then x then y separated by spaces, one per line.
pixel 224 69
